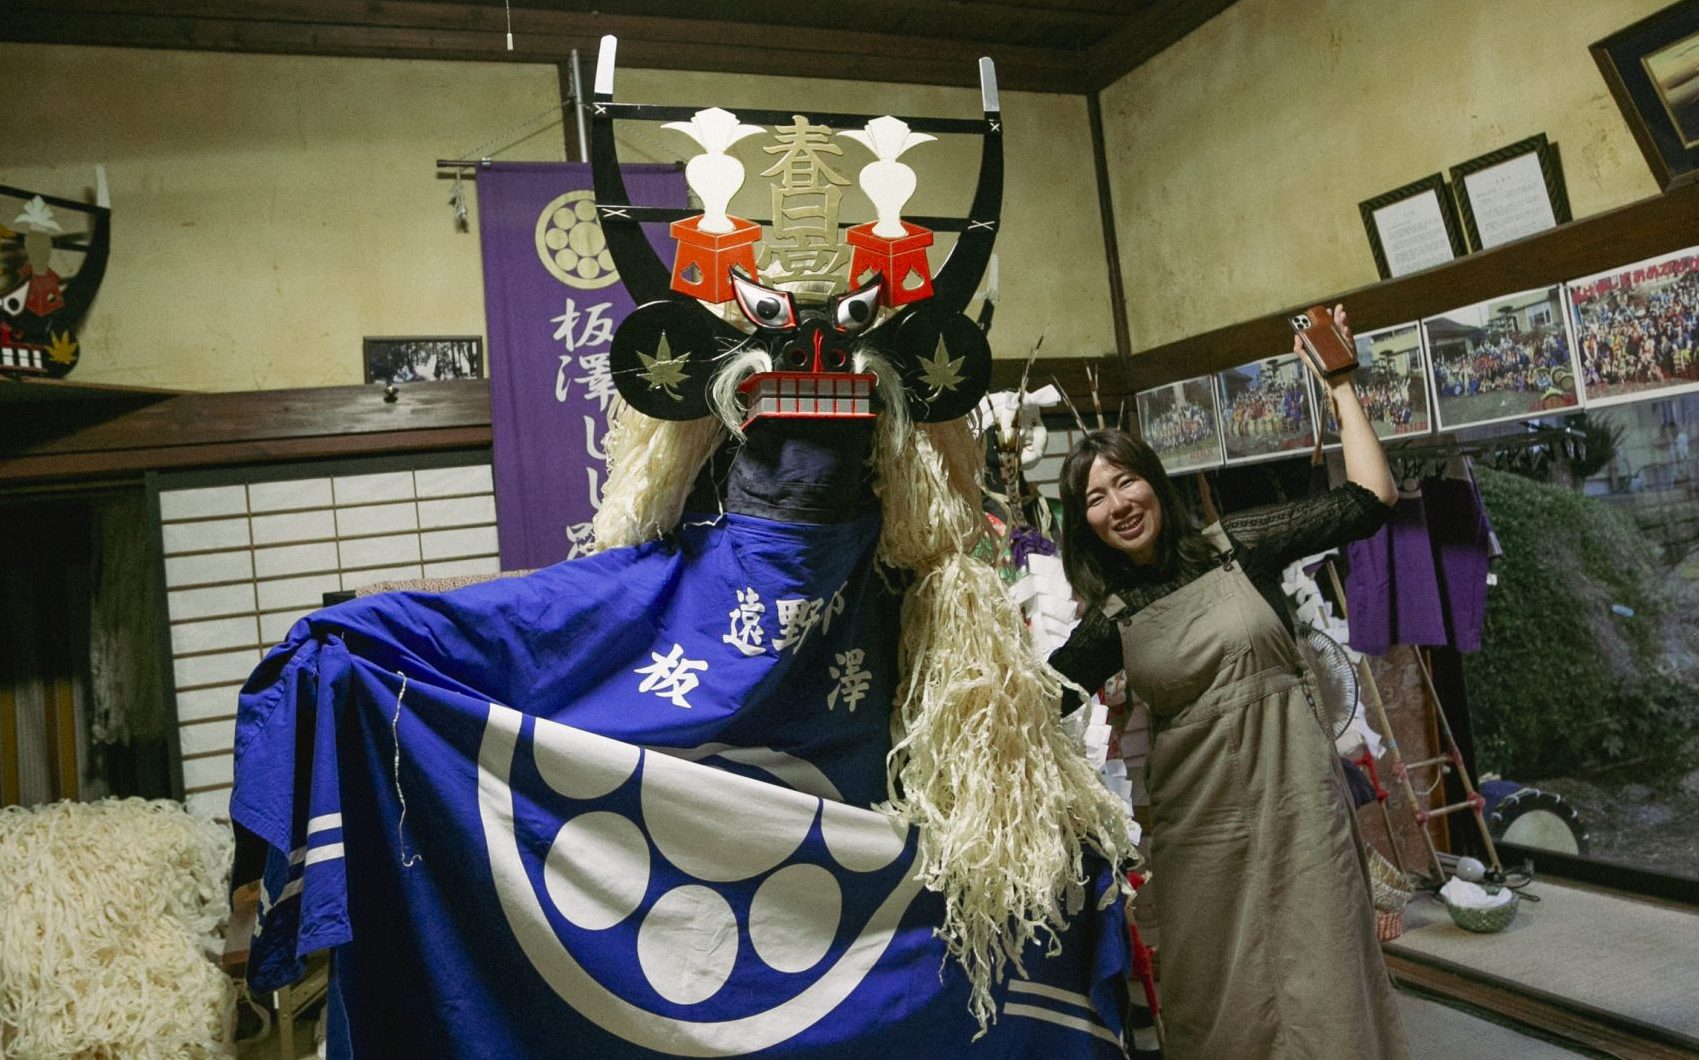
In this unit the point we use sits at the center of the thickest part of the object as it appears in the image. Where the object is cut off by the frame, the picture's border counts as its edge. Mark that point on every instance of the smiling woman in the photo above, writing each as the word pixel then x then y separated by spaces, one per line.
pixel 1244 783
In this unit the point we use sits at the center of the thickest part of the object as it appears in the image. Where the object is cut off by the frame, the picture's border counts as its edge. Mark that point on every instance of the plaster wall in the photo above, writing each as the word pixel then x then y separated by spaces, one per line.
pixel 270 211
pixel 267 211
pixel 1239 155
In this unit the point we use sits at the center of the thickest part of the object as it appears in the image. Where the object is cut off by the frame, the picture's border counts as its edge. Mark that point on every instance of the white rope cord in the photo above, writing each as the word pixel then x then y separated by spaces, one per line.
pixel 407 860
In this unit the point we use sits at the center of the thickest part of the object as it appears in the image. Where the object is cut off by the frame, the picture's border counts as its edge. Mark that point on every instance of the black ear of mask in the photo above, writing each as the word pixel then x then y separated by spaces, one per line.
pixel 663 358
pixel 943 358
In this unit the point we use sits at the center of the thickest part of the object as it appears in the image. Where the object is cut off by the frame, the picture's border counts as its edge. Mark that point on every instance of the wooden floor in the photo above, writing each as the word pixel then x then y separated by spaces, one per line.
pixel 1617 974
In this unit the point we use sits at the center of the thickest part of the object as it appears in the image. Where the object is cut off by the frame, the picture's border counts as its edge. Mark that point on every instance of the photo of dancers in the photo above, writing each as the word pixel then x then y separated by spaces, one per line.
pixel 1503 359
pixel 1265 409
pixel 1636 328
pixel 1392 383
pixel 1179 422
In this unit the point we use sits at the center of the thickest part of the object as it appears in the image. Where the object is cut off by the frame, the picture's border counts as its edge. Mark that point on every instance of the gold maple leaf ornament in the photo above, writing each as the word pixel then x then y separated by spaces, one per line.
pixel 663 371
pixel 63 350
pixel 942 372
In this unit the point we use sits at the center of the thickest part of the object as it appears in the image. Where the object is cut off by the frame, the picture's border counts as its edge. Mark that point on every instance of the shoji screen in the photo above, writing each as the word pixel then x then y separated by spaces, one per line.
pixel 247 552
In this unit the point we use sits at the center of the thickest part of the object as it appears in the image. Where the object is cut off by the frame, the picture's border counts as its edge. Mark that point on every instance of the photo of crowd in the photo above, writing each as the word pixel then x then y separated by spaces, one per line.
pixel 1505 359
pixel 1392 384
pixel 1265 408
pixel 423 360
pixel 1636 328
pixel 1178 421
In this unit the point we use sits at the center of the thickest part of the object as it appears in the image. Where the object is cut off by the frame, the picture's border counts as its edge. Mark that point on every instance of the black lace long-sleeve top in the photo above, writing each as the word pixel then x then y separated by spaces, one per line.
pixel 1264 541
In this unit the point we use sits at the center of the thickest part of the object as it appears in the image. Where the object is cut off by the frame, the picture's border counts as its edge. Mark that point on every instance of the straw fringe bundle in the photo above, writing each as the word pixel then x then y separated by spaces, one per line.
pixel 108 910
pixel 1005 803
pixel 651 465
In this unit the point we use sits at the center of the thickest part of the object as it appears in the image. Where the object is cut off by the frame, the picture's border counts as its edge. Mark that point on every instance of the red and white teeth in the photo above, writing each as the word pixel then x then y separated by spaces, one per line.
pixel 802 395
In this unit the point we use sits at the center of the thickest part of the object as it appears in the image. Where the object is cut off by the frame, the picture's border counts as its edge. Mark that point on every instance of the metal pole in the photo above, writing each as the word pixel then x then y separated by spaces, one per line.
pixel 578 108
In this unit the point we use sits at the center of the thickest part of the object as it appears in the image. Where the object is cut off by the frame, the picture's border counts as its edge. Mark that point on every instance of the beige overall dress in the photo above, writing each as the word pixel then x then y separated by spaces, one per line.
pixel 1268 941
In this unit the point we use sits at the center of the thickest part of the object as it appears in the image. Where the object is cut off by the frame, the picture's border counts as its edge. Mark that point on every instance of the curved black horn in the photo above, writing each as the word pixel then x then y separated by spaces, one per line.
pixel 642 271
pixel 958 278
pixel 80 289
pixel 663 353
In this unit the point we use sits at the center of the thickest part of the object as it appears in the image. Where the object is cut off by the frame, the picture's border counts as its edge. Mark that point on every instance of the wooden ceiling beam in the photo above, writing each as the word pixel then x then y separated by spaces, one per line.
pixel 967 19
pixel 469 32
pixel 472 17
pixel 1140 38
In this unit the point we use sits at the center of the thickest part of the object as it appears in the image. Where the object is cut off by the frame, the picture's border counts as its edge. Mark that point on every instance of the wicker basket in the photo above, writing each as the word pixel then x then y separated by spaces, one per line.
pixel 1389 889
pixel 1485 920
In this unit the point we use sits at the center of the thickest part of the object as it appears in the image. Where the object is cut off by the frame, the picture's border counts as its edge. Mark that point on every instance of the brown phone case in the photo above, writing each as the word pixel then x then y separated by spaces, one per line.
pixel 1329 353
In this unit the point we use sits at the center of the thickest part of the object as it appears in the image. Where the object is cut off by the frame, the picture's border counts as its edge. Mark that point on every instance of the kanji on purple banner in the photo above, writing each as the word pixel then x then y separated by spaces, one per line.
pixel 551 300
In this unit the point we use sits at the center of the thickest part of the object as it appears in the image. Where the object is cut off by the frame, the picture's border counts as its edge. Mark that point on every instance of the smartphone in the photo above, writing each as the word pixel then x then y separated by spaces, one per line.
pixel 1325 345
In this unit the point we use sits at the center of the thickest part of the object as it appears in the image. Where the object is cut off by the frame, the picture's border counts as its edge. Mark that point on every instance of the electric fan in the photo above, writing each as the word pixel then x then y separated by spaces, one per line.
pixel 1336 679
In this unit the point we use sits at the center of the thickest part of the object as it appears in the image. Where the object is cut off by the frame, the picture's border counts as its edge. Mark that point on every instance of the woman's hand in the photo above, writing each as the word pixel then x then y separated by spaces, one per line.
pixel 1343 322
pixel 1365 461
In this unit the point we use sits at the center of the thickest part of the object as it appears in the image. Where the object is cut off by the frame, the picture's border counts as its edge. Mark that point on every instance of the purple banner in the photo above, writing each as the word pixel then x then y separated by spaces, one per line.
pixel 551 302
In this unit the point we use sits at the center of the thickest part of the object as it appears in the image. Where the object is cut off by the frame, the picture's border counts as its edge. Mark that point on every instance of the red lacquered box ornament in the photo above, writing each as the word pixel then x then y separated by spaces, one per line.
pixel 900 259
pixel 703 263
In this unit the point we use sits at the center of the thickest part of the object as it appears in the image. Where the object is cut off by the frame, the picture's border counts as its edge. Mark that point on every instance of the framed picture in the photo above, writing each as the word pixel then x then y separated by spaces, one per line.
pixel 1392 384
pixel 1637 329
pixel 1507 358
pixel 1265 409
pixel 1509 193
pixel 1413 228
pixel 1179 421
pixel 1652 68
pixel 413 360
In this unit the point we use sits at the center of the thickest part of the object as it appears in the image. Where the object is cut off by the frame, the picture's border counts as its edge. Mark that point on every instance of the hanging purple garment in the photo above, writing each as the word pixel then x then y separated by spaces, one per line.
pixel 1461 544
pixel 1392 593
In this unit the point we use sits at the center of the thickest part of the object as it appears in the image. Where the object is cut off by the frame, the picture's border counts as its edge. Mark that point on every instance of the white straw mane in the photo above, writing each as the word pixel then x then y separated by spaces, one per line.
pixel 1005 802
pixel 651 465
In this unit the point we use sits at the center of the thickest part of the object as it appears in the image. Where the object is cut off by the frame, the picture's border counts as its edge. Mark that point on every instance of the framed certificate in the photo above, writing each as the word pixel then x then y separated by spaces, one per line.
pixel 1413 228
pixel 1509 193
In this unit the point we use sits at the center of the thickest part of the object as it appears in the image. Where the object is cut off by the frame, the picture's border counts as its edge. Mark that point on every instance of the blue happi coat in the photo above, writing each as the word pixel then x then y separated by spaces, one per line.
pixel 621 808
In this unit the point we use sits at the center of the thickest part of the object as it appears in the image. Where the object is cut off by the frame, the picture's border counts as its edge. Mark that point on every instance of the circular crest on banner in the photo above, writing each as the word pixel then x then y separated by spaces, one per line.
pixel 570 242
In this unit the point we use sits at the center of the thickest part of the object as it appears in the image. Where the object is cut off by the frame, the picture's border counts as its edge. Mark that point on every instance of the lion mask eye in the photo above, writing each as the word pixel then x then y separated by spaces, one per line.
pixel 766 308
pixel 852 313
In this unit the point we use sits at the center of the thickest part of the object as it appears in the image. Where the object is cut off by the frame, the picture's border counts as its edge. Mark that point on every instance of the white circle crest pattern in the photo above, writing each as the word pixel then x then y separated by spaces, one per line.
pixel 673 928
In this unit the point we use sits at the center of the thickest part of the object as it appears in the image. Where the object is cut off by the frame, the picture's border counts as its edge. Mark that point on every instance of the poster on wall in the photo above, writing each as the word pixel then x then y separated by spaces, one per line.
pixel 551 302
pixel 1179 422
pixel 1636 329
pixel 1392 384
pixel 1265 409
pixel 1507 358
